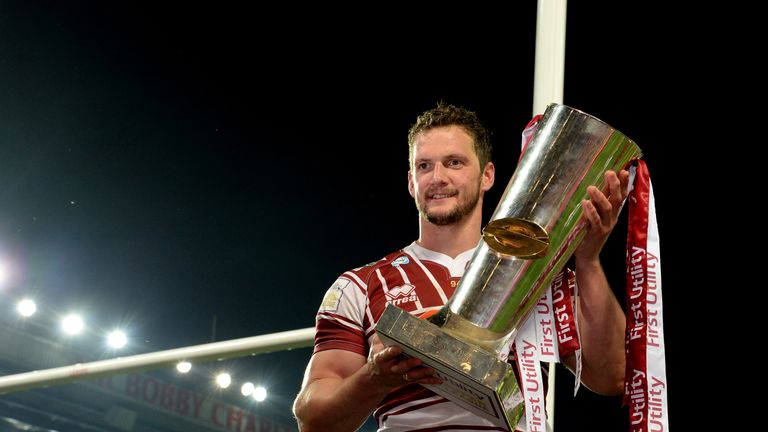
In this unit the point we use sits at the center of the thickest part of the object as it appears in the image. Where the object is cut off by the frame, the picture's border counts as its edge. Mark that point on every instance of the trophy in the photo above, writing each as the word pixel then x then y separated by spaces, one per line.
pixel 531 235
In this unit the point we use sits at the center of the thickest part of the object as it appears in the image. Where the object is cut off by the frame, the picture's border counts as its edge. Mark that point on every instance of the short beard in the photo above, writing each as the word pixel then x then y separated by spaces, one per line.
pixel 453 216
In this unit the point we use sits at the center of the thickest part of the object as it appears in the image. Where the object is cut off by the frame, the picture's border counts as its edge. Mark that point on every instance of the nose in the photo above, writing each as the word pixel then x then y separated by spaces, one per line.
pixel 438 176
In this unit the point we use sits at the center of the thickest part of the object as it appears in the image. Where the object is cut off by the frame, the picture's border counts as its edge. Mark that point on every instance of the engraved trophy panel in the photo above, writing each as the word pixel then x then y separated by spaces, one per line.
pixel 532 233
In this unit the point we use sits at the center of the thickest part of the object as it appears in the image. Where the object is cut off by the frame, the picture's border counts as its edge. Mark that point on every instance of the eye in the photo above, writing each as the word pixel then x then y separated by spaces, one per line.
pixel 454 163
pixel 421 166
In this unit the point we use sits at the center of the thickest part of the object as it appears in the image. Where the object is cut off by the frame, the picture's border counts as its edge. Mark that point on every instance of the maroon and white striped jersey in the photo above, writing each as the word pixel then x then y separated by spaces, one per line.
pixel 419 281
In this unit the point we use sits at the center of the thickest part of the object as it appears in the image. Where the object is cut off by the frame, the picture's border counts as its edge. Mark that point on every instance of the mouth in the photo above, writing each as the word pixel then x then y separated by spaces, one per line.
pixel 439 196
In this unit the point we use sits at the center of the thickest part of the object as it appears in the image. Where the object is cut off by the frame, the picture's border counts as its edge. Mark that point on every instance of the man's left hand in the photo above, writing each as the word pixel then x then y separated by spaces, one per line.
pixel 601 212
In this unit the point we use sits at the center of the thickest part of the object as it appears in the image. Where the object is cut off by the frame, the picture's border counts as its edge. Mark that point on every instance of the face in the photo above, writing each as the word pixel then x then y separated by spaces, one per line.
pixel 445 179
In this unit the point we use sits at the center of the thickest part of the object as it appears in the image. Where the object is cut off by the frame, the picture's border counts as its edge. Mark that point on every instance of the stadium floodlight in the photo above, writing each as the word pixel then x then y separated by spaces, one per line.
pixel 223 380
pixel 117 339
pixel 72 324
pixel 26 307
pixel 259 393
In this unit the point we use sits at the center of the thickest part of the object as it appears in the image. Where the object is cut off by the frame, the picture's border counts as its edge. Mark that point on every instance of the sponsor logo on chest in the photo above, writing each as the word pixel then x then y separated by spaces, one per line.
pixel 400 295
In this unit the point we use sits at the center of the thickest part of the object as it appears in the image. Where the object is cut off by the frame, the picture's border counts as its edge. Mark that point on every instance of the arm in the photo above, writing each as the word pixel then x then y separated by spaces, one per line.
pixel 601 318
pixel 341 388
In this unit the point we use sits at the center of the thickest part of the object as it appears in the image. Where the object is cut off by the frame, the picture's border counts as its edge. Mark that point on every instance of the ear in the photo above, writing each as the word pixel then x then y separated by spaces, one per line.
pixel 489 176
pixel 411 189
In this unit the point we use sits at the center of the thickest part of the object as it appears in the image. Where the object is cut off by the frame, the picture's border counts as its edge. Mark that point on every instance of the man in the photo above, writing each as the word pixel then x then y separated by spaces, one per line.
pixel 351 374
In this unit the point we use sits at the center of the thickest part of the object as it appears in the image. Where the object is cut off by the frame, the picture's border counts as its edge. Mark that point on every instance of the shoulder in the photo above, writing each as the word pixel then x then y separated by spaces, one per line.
pixel 359 282
pixel 364 273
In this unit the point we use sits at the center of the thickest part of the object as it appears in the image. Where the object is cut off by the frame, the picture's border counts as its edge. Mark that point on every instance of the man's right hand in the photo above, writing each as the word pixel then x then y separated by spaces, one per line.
pixel 387 366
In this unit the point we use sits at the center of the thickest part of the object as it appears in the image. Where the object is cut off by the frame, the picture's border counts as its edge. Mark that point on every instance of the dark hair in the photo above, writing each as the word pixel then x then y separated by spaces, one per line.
pixel 447 115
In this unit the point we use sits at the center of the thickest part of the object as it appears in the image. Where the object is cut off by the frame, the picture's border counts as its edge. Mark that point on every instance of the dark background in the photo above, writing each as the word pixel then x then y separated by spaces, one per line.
pixel 201 173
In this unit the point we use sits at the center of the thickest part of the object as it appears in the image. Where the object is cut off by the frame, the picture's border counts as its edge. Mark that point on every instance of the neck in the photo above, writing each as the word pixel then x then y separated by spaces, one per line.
pixel 452 239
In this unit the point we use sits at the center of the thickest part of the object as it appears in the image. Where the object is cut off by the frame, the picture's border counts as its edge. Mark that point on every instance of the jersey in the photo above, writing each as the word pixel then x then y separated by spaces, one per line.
pixel 419 281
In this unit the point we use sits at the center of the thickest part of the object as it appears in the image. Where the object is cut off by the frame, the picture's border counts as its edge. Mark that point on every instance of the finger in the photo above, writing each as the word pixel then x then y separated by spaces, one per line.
pixel 387 354
pixel 624 180
pixel 376 344
pixel 405 365
pixel 376 340
pixel 600 202
pixel 590 213
pixel 613 186
pixel 422 375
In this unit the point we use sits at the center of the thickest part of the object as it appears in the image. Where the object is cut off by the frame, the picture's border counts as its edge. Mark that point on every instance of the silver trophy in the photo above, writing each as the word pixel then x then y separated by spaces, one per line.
pixel 533 232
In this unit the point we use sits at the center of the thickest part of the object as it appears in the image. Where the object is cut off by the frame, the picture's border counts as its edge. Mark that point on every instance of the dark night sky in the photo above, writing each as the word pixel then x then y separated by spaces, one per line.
pixel 162 166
